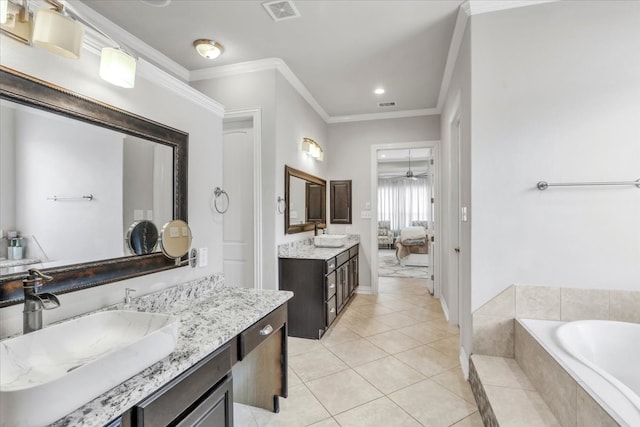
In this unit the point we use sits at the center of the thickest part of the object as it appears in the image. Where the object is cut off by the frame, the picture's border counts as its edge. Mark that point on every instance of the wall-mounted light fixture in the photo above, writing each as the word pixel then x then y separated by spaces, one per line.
pixel 57 32
pixel 117 67
pixel 16 21
pixel 312 148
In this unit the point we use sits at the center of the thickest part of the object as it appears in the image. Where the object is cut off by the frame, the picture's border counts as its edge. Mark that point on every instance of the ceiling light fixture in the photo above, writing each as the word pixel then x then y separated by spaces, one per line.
pixel 117 67
pixel 58 33
pixel 379 91
pixel 208 48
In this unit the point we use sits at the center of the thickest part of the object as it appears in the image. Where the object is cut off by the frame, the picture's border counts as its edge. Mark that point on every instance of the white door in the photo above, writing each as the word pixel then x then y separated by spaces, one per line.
pixel 238 223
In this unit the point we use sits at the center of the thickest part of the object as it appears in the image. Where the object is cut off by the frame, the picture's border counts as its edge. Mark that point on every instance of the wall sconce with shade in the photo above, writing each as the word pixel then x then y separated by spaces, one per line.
pixel 312 149
pixel 60 30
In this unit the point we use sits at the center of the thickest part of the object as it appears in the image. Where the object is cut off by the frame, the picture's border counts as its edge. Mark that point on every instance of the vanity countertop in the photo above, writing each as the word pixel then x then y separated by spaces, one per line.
pixel 313 252
pixel 210 315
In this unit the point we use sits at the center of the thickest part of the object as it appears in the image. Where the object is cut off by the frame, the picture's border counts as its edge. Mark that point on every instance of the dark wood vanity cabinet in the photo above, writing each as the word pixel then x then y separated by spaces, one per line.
pixel 322 289
pixel 340 202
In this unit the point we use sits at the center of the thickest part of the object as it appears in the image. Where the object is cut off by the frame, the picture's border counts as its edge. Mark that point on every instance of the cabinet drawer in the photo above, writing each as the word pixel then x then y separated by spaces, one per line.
pixel 332 310
pixel 353 251
pixel 168 403
pixel 331 265
pixel 342 258
pixel 330 285
pixel 261 330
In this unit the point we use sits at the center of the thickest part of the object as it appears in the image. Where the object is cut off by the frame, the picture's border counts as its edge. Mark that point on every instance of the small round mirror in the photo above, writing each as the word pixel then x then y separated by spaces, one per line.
pixel 175 239
pixel 142 237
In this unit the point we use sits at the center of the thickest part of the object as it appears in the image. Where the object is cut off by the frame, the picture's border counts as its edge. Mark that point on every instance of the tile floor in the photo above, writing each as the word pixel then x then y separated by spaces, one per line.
pixel 388 360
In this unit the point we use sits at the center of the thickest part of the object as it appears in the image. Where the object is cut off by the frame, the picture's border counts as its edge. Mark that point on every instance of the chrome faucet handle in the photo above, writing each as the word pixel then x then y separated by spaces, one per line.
pixel 127 295
pixel 37 275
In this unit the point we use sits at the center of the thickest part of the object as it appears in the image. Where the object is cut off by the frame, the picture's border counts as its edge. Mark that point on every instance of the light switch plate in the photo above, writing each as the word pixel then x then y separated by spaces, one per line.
pixel 138 214
pixel 203 257
pixel 365 214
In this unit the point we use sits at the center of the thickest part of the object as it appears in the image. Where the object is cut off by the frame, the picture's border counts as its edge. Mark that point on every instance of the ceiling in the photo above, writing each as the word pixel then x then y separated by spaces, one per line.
pixel 340 50
pixel 395 163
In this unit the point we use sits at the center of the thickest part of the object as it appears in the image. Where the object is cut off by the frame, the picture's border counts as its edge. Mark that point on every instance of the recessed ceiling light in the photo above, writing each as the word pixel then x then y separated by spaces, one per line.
pixel 378 91
pixel 208 48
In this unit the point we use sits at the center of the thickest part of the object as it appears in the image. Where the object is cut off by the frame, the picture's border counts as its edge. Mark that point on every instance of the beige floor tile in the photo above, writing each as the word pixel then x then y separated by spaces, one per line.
pixel 316 364
pixel 292 378
pixel 358 352
pixel 389 374
pixel 431 404
pixel 449 346
pixel 398 305
pixel 424 332
pixel 397 320
pixel 473 420
pixel 343 391
pixel 380 412
pixel 423 314
pixel 427 360
pixel 301 345
pixel 366 327
pixel 519 408
pixel 501 371
pixel 329 422
pixel 393 342
pixel 301 408
pixel 453 380
pixel 242 416
pixel 338 334
pixel 445 326
pixel 375 309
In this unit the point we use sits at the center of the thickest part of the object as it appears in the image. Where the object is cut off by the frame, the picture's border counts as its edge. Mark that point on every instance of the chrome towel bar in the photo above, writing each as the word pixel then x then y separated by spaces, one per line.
pixel 543 185
pixel 87 198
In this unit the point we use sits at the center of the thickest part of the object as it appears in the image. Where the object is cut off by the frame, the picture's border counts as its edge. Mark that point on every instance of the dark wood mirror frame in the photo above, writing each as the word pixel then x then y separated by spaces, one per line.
pixel 23 89
pixel 298 228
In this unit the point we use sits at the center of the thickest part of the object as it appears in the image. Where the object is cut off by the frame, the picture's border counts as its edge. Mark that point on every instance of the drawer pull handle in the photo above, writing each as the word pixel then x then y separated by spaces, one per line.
pixel 332 266
pixel 266 330
pixel 332 310
pixel 332 286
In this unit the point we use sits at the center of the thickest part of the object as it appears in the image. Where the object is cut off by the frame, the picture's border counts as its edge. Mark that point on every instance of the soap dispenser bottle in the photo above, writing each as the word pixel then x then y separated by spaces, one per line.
pixel 14 251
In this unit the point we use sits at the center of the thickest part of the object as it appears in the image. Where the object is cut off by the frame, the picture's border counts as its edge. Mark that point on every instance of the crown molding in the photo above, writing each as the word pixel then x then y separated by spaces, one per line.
pixel 382 116
pixel 477 7
pixel 158 76
pixel 261 65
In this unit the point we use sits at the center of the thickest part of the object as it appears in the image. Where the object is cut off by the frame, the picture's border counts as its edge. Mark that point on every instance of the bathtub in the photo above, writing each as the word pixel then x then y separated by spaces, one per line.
pixel 602 356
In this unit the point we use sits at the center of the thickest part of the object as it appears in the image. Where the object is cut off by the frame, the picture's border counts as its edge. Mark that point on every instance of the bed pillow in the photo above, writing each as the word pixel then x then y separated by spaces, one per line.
pixel 413 233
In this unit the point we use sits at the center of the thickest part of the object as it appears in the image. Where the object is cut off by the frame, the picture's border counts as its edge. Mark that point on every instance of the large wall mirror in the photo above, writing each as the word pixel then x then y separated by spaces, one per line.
pixel 75 175
pixel 305 197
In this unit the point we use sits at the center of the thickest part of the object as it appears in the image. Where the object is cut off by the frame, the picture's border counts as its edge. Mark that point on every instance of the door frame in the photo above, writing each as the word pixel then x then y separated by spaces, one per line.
pixel 255 114
pixel 435 146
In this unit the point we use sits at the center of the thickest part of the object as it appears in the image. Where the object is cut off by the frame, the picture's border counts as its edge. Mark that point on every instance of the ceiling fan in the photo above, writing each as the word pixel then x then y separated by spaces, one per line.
pixel 410 175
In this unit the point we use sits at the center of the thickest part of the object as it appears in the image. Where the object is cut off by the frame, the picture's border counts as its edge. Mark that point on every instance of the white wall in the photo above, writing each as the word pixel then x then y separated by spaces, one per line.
pixel 348 157
pixel 457 104
pixel 556 92
pixel 153 101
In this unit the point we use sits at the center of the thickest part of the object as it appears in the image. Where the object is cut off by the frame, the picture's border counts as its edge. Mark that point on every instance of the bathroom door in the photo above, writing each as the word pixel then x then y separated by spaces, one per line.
pixel 238 221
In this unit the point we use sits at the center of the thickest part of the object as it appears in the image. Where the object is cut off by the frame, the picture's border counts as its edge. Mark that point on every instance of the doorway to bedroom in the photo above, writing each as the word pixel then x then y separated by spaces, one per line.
pixel 405 219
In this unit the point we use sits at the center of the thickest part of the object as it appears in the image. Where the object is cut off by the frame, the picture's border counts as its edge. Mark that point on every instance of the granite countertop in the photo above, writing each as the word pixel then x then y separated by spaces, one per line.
pixel 210 315
pixel 312 252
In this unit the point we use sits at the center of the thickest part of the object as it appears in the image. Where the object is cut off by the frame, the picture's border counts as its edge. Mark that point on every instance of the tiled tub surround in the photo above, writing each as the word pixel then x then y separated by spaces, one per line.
pixel 493 323
pixel 210 315
pixel 307 250
pixel 576 394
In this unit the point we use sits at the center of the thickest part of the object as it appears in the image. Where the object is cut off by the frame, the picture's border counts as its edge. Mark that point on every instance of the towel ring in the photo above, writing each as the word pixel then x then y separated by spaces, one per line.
pixel 281 205
pixel 217 193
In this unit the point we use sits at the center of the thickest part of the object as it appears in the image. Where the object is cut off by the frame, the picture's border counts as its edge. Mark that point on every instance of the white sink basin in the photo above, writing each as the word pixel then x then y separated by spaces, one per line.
pixel 49 373
pixel 330 240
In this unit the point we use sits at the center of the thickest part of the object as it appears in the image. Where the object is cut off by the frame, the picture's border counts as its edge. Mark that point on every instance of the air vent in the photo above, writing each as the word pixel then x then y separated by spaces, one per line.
pixel 386 104
pixel 281 10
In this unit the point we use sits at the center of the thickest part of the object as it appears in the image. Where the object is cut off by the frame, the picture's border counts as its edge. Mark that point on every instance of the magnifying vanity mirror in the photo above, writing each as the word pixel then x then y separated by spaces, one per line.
pixel 175 239
pixel 305 197
pixel 93 170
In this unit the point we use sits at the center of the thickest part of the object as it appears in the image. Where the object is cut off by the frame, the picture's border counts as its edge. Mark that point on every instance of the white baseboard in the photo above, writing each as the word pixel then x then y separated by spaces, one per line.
pixel 445 309
pixel 464 363
pixel 364 290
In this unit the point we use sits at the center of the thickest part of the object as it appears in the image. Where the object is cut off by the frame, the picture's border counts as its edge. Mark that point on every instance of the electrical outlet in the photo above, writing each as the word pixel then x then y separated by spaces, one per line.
pixel 365 214
pixel 203 257
pixel 138 214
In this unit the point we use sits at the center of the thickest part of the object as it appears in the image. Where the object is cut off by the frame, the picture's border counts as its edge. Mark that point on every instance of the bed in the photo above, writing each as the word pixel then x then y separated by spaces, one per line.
pixel 412 247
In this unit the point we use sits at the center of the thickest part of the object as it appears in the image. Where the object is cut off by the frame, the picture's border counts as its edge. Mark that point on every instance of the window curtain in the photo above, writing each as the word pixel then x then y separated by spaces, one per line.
pixel 403 200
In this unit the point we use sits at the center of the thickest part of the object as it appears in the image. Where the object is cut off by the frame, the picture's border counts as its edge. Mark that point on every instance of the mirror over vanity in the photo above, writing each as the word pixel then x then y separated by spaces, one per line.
pixel 78 177
pixel 305 197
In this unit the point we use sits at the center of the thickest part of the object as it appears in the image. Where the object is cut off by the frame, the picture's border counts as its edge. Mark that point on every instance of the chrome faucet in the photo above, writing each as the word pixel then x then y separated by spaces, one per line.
pixel 35 302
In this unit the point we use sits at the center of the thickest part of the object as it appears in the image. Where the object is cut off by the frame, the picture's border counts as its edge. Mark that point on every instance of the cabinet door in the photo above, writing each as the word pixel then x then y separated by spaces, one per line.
pixel 353 283
pixel 215 411
pixel 340 201
pixel 340 288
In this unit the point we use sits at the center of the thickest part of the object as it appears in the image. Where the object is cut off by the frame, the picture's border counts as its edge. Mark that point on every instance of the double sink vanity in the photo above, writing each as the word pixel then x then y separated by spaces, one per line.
pixel 223 345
